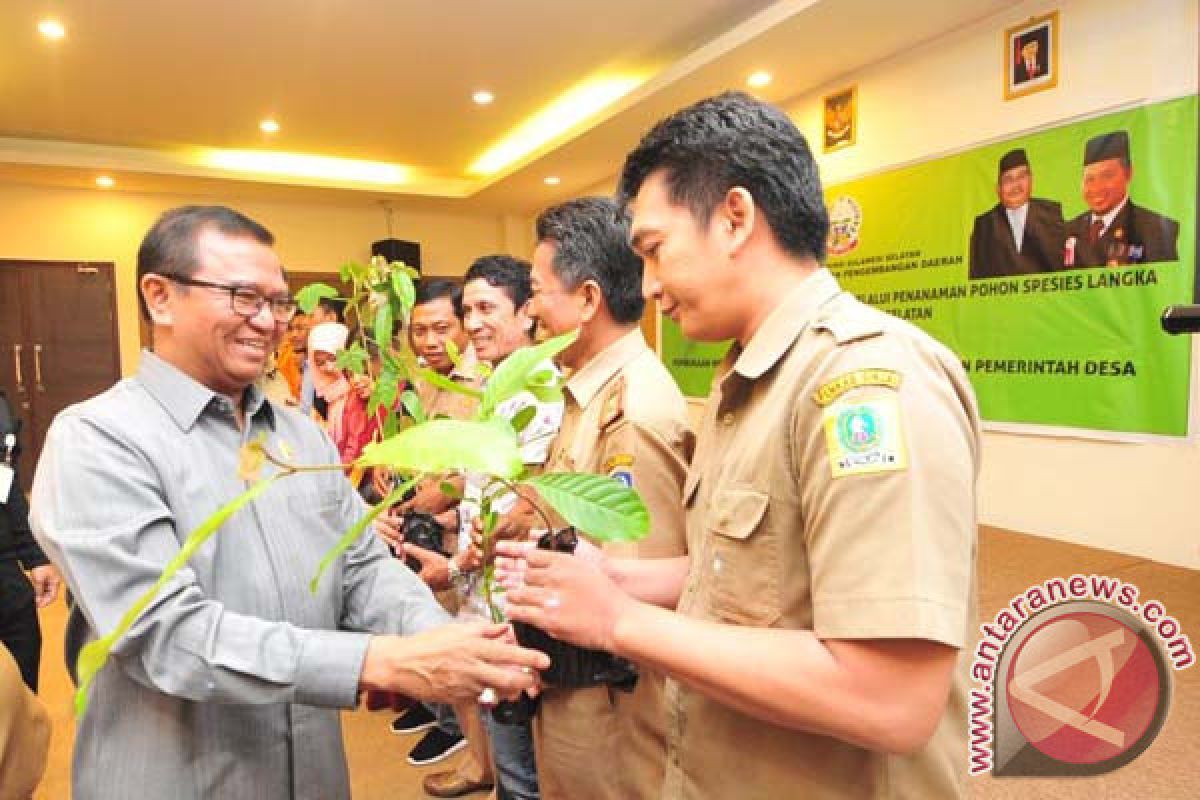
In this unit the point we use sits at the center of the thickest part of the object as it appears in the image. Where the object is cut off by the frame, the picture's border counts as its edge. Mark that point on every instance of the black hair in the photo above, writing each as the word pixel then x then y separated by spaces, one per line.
pixel 430 289
pixel 335 306
pixel 504 272
pixel 733 140
pixel 169 248
pixel 591 242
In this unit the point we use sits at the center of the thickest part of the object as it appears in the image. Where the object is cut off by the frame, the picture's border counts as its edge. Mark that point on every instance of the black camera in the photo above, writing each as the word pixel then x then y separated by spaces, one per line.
pixel 422 530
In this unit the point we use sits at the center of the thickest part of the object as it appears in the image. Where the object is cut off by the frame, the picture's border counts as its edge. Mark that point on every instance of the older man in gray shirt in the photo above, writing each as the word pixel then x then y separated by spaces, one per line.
pixel 228 684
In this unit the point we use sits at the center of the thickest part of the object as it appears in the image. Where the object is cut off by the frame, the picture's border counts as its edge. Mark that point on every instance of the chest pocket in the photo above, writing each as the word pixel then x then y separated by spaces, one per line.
pixel 743 566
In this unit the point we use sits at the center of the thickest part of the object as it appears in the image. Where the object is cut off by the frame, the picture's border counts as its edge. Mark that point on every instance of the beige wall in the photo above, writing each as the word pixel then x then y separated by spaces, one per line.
pixel 946 95
pixel 40 223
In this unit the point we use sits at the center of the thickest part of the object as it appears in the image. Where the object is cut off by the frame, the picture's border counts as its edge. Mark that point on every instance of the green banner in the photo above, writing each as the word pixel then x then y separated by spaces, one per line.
pixel 691 363
pixel 1063 329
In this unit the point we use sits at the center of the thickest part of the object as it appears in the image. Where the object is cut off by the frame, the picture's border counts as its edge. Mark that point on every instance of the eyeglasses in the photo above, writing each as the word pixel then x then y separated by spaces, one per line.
pixel 244 301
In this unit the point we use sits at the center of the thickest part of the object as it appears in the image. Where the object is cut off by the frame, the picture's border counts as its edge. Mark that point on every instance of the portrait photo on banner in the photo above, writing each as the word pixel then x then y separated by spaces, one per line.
pixel 1031 56
pixel 841 119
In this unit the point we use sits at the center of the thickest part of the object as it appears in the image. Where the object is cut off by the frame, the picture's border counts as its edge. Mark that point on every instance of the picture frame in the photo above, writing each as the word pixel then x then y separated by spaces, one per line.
pixel 1030 56
pixel 839 123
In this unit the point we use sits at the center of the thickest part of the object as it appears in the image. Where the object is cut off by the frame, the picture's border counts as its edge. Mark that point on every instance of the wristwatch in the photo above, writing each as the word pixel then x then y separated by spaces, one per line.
pixel 453 573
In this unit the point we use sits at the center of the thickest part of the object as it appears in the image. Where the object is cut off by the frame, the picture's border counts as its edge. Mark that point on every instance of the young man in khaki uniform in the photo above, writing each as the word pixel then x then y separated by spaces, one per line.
pixel 626 418
pixel 824 610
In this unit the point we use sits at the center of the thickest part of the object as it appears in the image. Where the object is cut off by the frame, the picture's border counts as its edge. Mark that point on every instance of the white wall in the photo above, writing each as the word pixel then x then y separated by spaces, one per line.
pixel 945 95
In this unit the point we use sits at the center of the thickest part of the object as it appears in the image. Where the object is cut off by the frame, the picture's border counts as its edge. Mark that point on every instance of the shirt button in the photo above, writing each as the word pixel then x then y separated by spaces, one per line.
pixel 727 418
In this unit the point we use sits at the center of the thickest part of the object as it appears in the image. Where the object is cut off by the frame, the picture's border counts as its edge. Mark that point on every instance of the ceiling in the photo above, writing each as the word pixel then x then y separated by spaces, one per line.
pixel 145 91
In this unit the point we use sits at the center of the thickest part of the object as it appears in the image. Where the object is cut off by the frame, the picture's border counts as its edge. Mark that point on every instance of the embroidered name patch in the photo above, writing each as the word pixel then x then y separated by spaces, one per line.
pixel 852 380
pixel 865 437
pixel 618 461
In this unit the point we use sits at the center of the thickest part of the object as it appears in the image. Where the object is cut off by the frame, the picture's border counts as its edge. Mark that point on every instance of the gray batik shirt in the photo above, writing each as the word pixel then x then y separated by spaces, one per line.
pixel 228 685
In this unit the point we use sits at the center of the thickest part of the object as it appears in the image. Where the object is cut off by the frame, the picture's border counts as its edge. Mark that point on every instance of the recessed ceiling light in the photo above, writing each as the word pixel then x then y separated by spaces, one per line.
pixel 483 97
pixel 552 180
pixel 759 79
pixel 268 126
pixel 105 182
pixel 52 29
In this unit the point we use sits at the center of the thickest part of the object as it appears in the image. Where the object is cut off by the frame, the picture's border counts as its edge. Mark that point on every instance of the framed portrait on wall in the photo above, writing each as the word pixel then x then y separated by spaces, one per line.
pixel 841 119
pixel 1031 56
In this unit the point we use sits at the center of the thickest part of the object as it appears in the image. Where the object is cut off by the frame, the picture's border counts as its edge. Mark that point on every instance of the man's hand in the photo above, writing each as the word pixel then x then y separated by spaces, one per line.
pixel 517 525
pixel 46 580
pixel 435 567
pixel 567 597
pixel 391 530
pixel 430 499
pixel 452 664
pixel 383 480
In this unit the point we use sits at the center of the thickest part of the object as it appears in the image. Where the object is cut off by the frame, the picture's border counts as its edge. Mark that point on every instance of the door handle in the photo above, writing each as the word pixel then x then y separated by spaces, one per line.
pixel 37 368
pixel 17 369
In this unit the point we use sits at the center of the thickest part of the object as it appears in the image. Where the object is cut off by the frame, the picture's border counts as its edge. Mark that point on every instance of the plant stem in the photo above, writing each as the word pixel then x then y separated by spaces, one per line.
pixel 289 469
pixel 515 489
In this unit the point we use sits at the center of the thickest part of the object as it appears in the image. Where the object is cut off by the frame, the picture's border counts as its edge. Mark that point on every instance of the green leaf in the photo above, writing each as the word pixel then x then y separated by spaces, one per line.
pixel 411 272
pixel 353 358
pixel 385 324
pixel 308 297
pixel 523 417
pixel 442 382
pixel 349 537
pixel 602 507
pixel 453 351
pixel 384 393
pixel 546 394
pixel 512 375
pixel 412 404
pixel 402 285
pixel 353 271
pixel 450 490
pixel 446 445
pixel 95 654
pixel 391 426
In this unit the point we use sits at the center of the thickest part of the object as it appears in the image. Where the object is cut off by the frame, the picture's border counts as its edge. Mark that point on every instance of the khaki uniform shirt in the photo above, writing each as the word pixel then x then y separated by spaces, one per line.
pixel 832 491
pixel 439 402
pixel 624 417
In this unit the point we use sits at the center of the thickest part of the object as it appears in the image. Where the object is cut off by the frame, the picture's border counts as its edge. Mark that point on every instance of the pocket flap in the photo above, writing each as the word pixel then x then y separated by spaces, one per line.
pixel 736 512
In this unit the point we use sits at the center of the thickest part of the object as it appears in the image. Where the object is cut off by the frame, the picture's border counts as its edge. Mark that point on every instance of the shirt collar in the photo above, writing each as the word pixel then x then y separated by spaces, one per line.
pixel 464 371
pixel 185 398
pixel 588 380
pixel 1108 218
pixel 783 325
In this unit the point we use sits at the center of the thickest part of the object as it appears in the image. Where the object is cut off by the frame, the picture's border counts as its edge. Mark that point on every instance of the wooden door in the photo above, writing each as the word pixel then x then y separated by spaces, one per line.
pixel 59 340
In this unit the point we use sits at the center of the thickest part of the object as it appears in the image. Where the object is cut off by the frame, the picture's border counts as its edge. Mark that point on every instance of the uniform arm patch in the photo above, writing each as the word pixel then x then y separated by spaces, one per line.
pixel 865 437
pixel 852 380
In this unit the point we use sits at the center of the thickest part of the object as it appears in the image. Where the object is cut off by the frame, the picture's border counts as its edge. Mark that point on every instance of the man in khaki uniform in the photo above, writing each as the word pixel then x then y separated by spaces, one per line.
pixel 825 606
pixel 624 417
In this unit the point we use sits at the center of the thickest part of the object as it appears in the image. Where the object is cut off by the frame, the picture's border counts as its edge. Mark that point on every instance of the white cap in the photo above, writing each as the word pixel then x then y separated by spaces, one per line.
pixel 328 337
